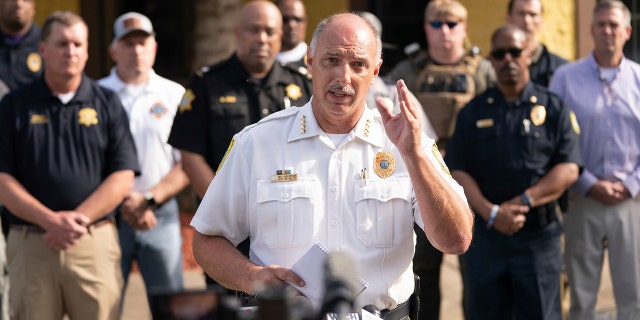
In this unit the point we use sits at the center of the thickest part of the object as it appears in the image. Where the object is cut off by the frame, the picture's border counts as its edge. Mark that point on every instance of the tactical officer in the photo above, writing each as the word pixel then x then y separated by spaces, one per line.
pixel 515 150
pixel 447 75
pixel 444 78
pixel 228 96
pixel 20 62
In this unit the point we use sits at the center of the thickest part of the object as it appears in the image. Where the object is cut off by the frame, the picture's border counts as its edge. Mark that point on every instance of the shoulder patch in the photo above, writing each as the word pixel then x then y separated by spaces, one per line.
pixel 438 156
pixel 226 154
pixel 185 103
pixel 574 122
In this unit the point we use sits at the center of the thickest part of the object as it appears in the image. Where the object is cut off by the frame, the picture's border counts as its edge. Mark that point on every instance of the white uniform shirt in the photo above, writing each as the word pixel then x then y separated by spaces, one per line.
pixel 328 203
pixel 151 110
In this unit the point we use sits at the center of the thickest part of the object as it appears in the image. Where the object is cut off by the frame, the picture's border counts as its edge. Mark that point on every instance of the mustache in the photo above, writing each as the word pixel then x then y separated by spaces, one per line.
pixel 346 89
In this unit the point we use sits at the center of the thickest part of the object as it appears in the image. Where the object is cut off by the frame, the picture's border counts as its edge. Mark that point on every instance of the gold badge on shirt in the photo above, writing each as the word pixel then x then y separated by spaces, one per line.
pixel 384 165
pixel 484 123
pixel 38 119
pixel 538 115
pixel 574 122
pixel 88 116
pixel 34 62
pixel 228 99
pixel 185 103
pixel 293 91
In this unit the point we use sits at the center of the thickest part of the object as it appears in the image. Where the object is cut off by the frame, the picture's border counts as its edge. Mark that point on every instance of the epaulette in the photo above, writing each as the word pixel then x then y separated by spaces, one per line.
pixel 214 67
pixel 297 68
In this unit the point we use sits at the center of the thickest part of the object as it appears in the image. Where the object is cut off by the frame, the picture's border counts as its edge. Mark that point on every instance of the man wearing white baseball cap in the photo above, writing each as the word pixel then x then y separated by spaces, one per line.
pixel 149 226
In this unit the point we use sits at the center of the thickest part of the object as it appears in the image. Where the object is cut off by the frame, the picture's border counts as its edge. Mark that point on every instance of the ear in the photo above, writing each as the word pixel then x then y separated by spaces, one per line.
pixel 376 71
pixel 528 55
pixel 628 31
pixel 41 48
pixel 309 60
pixel 112 51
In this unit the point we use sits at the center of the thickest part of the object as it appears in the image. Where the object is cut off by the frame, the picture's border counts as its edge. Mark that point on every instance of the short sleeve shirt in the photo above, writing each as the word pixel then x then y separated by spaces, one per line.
pixel 60 152
pixel 327 201
pixel 151 114
pixel 224 99
pixel 508 146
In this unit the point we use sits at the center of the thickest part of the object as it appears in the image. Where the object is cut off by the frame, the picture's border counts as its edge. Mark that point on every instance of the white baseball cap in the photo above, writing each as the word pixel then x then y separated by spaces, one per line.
pixel 130 22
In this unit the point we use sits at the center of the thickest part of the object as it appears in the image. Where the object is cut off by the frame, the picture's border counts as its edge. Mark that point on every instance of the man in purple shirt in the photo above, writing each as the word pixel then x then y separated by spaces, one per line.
pixel 603 90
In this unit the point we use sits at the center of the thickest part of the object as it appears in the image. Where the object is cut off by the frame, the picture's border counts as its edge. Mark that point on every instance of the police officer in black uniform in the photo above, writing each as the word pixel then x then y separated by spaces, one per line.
pixel 20 62
pixel 223 99
pixel 515 151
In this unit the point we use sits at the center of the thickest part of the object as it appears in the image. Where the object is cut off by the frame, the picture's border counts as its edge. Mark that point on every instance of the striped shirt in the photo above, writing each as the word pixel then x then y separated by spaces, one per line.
pixel 607 106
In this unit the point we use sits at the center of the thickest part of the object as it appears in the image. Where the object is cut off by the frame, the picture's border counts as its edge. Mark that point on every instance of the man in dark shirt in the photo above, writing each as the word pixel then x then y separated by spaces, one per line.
pixel 20 62
pixel 515 150
pixel 224 98
pixel 527 14
pixel 67 159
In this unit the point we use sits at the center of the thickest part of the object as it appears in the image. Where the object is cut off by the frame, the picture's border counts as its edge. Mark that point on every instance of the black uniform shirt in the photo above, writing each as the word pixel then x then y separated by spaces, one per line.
pixel 224 99
pixel 20 63
pixel 541 70
pixel 62 153
pixel 507 147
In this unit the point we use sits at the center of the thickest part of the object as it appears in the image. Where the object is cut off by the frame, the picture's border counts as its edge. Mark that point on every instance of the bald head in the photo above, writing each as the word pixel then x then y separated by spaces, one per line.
pixel 351 24
pixel 258 34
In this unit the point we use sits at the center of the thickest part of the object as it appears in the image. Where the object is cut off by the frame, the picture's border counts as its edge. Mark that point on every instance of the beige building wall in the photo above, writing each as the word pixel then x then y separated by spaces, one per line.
pixel 46 7
pixel 559 24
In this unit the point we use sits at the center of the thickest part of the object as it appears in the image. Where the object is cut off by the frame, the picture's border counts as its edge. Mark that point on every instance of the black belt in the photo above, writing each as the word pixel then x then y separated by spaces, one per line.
pixel 400 312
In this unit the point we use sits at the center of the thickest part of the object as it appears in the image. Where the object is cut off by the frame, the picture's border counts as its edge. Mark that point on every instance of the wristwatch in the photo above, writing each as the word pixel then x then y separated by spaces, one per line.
pixel 526 199
pixel 151 201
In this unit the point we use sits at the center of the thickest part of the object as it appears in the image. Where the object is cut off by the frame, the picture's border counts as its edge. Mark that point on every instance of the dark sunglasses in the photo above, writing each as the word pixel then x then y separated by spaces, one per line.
pixel 439 24
pixel 287 19
pixel 499 54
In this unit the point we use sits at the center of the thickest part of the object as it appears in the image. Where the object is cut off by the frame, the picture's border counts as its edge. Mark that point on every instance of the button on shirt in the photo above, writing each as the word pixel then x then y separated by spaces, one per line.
pixel 62 152
pixel 608 110
pixel 500 145
pixel 151 111
pixel 327 203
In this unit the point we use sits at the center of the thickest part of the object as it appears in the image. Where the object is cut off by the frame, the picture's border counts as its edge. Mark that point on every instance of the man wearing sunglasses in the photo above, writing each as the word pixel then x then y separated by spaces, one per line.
pixel 515 150
pixel 444 78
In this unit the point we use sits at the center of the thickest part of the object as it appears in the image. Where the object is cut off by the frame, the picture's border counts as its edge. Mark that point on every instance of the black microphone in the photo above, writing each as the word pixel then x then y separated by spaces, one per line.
pixel 341 283
pixel 373 309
